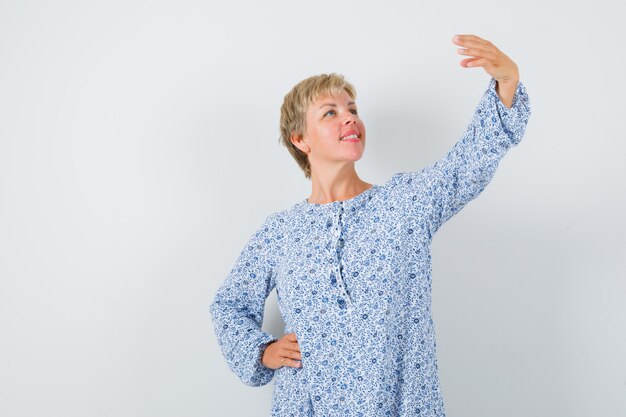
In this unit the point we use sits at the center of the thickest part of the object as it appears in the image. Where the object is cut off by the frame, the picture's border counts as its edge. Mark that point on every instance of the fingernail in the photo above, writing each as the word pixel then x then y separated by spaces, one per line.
pixel 457 38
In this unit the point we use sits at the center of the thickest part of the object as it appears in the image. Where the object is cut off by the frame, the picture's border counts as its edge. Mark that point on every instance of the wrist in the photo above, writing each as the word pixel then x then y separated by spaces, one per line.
pixel 264 349
pixel 508 82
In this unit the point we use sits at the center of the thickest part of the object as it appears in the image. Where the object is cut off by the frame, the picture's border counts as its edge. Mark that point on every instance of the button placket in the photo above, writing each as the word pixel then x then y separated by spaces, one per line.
pixel 337 237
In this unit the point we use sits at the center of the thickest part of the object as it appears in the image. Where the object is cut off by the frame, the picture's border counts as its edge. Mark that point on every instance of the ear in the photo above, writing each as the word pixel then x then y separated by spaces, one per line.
pixel 298 140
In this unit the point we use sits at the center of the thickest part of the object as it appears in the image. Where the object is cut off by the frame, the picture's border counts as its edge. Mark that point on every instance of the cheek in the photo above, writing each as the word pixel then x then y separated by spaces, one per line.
pixel 361 127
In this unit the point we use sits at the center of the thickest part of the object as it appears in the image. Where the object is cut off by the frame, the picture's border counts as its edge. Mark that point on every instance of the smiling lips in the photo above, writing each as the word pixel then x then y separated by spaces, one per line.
pixel 350 136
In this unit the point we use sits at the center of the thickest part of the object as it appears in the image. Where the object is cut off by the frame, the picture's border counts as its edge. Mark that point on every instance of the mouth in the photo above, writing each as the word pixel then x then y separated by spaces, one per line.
pixel 351 136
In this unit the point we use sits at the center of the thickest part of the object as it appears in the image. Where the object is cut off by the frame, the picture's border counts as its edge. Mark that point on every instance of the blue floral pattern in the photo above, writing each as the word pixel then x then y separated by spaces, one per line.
pixel 353 281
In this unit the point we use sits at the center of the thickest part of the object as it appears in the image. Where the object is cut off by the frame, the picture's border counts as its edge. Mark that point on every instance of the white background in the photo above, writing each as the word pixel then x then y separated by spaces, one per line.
pixel 139 151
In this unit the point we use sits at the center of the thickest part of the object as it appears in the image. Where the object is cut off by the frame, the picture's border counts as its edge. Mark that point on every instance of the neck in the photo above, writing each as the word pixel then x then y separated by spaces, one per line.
pixel 336 186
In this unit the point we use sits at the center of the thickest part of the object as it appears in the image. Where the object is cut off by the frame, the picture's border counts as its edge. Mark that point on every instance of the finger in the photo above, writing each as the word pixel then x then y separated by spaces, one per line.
pixel 293 346
pixel 479 45
pixel 471 41
pixel 480 62
pixel 292 336
pixel 476 52
pixel 293 354
pixel 471 38
pixel 464 63
pixel 292 363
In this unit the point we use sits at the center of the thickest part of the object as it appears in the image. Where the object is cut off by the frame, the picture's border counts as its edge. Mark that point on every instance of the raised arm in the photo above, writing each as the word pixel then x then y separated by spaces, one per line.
pixel 238 307
pixel 463 172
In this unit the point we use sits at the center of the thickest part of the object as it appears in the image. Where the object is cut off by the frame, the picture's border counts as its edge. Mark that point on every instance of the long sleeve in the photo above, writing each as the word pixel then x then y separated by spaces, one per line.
pixel 238 307
pixel 464 171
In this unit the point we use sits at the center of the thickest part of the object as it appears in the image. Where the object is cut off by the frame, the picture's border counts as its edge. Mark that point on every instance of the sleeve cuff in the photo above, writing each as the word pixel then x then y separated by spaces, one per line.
pixel 262 374
pixel 514 119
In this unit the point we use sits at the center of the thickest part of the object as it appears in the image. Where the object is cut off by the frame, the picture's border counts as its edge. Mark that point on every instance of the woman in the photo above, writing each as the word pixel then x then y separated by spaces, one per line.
pixel 351 263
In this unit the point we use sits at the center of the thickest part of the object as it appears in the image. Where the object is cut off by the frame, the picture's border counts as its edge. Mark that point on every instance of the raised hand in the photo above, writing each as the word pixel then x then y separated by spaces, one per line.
pixel 283 352
pixel 485 54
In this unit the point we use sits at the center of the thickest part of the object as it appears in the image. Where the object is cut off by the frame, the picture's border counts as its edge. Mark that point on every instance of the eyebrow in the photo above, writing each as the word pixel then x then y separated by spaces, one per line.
pixel 334 105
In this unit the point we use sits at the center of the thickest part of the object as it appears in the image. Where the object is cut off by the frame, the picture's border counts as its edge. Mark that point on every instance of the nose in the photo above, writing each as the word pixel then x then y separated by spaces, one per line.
pixel 350 118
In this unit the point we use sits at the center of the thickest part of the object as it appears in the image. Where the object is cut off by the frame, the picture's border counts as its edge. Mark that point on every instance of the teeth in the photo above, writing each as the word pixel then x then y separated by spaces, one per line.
pixel 350 137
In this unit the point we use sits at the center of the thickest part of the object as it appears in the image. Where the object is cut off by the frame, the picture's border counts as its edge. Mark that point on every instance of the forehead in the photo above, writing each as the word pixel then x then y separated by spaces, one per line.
pixel 341 97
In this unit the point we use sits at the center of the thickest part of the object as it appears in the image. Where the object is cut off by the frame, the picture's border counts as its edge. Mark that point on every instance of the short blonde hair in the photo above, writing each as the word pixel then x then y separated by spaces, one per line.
pixel 295 106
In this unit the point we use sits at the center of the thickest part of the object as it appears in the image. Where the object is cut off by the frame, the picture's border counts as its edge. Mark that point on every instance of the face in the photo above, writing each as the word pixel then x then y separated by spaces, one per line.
pixel 334 132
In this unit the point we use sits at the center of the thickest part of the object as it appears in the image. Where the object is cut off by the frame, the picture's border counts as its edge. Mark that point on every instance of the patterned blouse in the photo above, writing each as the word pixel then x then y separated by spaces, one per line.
pixel 353 281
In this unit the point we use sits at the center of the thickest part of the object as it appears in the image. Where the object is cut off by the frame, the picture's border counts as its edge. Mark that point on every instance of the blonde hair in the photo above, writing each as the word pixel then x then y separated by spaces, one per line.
pixel 295 106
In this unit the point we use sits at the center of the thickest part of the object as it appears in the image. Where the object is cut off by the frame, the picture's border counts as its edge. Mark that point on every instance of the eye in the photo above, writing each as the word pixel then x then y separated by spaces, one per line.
pixel 354 111
pixel 328 112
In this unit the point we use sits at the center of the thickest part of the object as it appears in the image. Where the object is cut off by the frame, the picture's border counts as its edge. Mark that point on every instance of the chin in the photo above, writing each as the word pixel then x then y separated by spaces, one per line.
pixel 355 157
